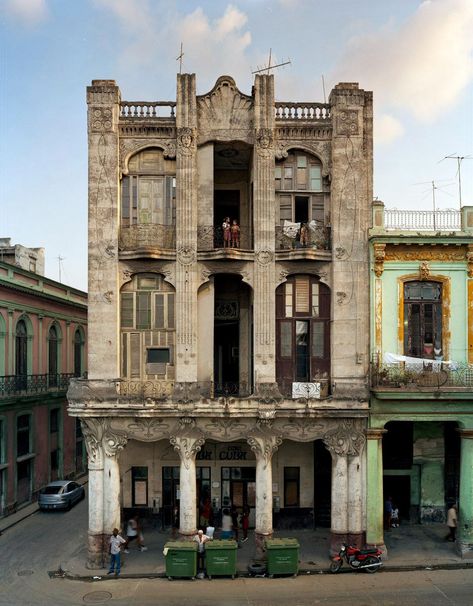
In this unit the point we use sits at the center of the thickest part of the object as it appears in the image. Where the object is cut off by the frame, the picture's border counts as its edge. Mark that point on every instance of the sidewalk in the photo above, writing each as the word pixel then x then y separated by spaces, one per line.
pixel 409 547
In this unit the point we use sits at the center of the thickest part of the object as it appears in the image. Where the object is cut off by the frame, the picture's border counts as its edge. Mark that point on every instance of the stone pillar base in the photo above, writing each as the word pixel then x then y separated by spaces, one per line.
pixel 260 538
pixel 187 535
pixel 335 541
pixel 464 550
pixel 97 551
pixel 356 538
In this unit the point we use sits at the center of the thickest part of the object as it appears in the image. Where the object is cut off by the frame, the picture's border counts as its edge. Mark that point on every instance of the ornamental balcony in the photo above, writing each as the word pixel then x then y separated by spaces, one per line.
pixel 425 376
pixel 149 236
pixel 211 238
pixel 30 385
pixel 293 238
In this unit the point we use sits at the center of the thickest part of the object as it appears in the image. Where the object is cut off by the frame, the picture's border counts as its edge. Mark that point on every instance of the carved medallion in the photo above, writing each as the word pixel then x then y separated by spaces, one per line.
pixel 101 119
pixel 263 257
pixel 186 255
pixel 347 122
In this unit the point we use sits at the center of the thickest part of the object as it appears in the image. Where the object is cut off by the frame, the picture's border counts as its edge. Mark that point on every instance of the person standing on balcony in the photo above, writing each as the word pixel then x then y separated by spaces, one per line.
pixel 226 227
pixel 235 233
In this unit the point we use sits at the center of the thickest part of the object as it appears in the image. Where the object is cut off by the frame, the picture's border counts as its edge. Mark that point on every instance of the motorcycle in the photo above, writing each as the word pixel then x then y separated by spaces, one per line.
pixel 359 559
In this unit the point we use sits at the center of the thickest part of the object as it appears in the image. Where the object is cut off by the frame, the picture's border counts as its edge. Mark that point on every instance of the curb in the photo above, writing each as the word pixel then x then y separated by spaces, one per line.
pixel 246 575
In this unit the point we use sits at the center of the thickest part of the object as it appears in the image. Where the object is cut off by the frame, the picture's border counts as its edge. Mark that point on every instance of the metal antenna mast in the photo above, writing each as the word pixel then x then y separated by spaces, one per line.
pixel 459 160
pixel 179 58
pixel 269 67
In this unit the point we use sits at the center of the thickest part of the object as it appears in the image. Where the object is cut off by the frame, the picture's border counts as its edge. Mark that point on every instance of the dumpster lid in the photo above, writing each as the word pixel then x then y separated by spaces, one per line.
pixel 181 545
pixel 221 544
pixel 281 543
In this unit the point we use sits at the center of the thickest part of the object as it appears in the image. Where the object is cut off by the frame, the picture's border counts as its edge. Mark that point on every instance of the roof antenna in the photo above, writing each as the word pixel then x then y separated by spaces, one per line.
pixel 459 160
pixel 179 58
pixel 269 67
pixel 323 88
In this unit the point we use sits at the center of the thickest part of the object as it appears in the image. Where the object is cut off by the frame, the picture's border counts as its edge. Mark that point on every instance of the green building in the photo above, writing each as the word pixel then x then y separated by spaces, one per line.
pixel 420 435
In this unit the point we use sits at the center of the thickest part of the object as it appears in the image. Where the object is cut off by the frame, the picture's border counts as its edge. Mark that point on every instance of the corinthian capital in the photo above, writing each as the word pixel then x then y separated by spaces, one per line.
pixel 264 441
pixel 187 440
pixel 346 439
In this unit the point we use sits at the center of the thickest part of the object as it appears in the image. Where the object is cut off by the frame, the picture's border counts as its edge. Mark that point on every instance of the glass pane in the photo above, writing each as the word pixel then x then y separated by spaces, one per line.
pixel 159 311
pixel 126 315
pixel 301 161
pixel 171 310
pixel 288 299
pixel 158 356
pixel 318 333
pixel 302 351
pixel 147 282
pixel 315 178
pixel 285 208
pixel 143 311
pixel 286 340
pixel 225 473
pixel 126 200
pixel 315 300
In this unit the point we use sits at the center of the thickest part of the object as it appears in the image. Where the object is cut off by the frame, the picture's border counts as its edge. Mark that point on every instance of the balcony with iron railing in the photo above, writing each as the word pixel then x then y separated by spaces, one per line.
pixel 210 237
pixel 297 239
pixel 424 376
pixel 32 385
pixel 155 236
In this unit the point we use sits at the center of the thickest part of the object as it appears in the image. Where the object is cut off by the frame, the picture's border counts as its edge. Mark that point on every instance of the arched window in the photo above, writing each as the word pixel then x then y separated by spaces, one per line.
pixel 303 331
pixel 147 320
pixel 21 347
pixel 78 352
pixel 149 190
pixel 423 319
pixel 53 347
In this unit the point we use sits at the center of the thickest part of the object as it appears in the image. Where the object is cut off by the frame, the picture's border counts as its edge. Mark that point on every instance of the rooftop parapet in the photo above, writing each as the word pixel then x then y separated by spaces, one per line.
pixel 448 220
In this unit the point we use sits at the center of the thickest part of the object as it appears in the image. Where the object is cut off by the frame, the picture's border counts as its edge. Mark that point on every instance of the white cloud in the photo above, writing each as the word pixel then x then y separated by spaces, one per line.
pixel 422 66
pixel 387 128
pixel 29 12
pixel 211 46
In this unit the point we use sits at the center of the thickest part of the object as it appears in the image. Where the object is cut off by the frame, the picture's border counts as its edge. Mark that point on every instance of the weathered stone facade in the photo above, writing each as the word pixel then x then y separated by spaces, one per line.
pixel 187 341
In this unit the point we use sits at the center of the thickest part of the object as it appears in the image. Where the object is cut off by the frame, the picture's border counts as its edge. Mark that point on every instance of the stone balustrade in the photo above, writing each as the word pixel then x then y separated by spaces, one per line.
pixel 286 110
pixel 148 109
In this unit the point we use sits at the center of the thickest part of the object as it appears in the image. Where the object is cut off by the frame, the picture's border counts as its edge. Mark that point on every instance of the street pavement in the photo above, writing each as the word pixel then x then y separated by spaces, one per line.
pixel 43 542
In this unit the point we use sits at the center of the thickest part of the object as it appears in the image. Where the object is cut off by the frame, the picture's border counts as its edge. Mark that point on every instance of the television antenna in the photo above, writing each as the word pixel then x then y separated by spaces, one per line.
pixel 269 67
pixel 459 160
pixel 434 189
pixel 179 58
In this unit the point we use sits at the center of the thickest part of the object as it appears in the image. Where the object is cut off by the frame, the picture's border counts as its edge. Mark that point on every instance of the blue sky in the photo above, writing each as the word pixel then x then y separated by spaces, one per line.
pixel 416 57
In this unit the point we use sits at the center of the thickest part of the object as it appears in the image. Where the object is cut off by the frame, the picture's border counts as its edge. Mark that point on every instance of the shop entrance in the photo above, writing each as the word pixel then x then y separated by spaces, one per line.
pixel 322 485
pixel 239 489
pixel 172 490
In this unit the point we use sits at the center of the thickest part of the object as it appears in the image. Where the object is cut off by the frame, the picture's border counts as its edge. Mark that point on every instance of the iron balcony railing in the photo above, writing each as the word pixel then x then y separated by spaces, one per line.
pixel 162 390
pixel 150 235
pixel 426 376
pixel 422 220
pixel 288 238
pixel 210 237
pixel 23 385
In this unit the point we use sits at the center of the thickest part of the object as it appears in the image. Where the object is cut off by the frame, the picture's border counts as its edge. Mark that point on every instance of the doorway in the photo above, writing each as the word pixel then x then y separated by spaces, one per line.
pixel 322 485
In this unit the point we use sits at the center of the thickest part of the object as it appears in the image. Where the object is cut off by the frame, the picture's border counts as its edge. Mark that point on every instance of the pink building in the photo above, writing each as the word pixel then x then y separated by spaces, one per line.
pixel 43 337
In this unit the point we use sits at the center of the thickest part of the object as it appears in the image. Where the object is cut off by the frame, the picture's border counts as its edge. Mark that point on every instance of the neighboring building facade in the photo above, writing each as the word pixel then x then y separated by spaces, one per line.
pixel 31 259
pixel 228 364
pixel 43 336
pixel 420 437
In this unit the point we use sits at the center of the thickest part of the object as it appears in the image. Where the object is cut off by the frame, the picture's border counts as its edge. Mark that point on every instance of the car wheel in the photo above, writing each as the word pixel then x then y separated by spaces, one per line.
pixel 69 505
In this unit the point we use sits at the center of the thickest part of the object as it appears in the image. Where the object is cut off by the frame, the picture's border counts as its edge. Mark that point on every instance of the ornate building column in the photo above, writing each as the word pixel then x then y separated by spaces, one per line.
pixel 345 444
pixel 103 99
pixel 264 220
pixel 465 510
pixel 92 432
pixel 187 442
pixel 264 443
pixel 113 443
pixel 374 493
pixel 186 237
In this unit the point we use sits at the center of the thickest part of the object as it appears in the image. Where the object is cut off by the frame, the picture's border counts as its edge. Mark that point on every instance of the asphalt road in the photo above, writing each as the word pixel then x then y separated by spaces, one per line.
pixel 38 544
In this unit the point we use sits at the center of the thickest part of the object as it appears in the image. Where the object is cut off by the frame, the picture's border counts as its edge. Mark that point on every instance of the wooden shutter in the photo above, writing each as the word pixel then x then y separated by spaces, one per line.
pixel 126 312
pixel 135 355
pixel 302 294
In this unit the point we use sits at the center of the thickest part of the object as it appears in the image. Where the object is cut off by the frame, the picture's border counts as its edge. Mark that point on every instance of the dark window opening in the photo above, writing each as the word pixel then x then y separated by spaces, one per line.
pixel 291 486
pixel 54 420
pixel 161 355
pixel 423 320
pixel 23 435
pixel 301 209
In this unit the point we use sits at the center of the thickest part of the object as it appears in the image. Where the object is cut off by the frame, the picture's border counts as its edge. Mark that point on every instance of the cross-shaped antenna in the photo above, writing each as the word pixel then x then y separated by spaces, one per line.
pixel 459 160
pixel 269 67
pixel 179 58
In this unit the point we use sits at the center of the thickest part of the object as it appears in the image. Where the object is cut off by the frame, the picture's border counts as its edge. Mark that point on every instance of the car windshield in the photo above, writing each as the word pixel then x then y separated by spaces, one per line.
pixel 52 490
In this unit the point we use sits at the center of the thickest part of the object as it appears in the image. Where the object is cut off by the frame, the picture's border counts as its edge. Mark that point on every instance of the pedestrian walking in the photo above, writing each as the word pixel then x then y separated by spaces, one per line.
pixel 134 533
pixel 388 512
pixel 115 544
pixel 452 521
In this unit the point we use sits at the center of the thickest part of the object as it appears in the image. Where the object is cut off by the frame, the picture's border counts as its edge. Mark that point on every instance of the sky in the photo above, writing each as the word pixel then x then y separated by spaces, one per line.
pixel 416 57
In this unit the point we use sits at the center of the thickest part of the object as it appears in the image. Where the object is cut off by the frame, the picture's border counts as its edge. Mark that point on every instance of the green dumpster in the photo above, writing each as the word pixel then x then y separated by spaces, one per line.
pixel 181 559
pixel 220 558
pixel 283 556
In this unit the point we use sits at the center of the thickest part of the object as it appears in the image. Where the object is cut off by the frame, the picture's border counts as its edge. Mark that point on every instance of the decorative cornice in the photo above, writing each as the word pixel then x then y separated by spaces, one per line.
pixel 379 257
